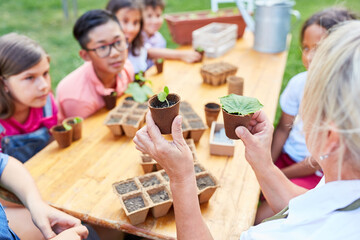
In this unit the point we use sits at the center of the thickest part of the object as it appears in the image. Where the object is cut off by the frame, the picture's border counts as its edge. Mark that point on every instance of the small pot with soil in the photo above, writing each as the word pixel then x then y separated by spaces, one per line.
pixel 76 124
pixel 202 52
pixel 110 100
pixel 237 111
pixel 212 111
pixel 159 63
pixel 164 108
pixel 161 200
pixel 62 134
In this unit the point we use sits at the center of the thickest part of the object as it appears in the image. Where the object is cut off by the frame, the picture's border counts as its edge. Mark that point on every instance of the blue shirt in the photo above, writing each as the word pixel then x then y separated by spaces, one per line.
pixel 5 232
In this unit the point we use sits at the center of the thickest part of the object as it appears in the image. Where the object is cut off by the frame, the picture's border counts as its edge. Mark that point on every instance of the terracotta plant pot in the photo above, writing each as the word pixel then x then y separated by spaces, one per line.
pixel 235 85
pixel 164 116
pixel 212 111
pixel 61 135
pixel 181 25
pixel 159 66
pixel 232 121
pixel 110 100
pixel 76 127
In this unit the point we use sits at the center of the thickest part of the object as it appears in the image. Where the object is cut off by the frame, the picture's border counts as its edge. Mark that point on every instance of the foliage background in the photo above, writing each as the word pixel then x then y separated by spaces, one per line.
pixel 44 21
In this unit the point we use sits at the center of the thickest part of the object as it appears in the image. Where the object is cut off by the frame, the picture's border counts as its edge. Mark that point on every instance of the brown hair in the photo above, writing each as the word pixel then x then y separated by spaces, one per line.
pixel 154 4
pixel 327 18
pixel 17 54
pixel 115 5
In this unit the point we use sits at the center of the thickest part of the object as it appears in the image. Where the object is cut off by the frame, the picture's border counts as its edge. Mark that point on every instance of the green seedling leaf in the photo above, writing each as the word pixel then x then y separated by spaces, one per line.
pixel 199 49
pixel 113 94
pixel 77 120
pixel 159 60
pixel 140 76
pixel 240 105
pixel 162 95
pixel 140 94
pixel 66 126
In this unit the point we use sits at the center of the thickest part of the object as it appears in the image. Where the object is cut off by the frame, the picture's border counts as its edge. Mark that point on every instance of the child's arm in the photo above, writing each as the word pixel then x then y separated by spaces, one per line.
pixel 49 220
pixel 300 169
pixel 188 56
pixel 281 133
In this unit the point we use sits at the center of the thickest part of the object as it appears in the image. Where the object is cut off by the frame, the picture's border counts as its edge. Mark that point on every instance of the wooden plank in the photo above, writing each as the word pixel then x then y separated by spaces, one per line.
pixel 79 179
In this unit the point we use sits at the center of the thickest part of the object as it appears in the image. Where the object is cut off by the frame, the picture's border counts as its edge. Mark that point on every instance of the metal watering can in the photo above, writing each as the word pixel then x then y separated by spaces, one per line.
pixel 272 23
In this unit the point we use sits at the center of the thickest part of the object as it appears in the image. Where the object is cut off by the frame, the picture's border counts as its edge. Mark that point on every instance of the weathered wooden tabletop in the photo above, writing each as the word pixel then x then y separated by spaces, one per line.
pixel 79 179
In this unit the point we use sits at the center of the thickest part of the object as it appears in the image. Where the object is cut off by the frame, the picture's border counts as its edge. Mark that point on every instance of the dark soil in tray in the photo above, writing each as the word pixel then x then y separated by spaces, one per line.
pixel 160 196
pixel 126 187
pixel 163 104
pixel 133 204
pixel 191 116
pixel 131 121
pixel 114 120
pixel 127 105
pixel 204 182
pixel 165 176
pixel 150 182
pixel 196 124
pixel 142 106
pixel 198 169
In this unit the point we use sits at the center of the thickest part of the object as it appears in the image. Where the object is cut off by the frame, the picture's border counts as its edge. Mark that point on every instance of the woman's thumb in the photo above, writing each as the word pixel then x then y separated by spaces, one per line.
pixel 176 130
pixel 244 134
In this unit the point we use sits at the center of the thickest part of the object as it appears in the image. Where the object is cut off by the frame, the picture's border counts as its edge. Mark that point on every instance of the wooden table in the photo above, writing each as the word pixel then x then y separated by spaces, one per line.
pixel 78 179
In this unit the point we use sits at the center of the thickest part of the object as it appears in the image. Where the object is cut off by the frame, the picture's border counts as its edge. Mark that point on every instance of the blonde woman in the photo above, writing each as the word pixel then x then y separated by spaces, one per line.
pixel 331 114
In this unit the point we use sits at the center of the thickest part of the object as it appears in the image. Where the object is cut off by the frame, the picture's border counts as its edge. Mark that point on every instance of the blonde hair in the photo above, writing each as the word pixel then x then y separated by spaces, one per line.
pixel 332 92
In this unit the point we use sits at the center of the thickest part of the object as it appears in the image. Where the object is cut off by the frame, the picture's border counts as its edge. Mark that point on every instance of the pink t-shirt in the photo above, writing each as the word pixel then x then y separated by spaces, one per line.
pixel 80 93
pixel 35 121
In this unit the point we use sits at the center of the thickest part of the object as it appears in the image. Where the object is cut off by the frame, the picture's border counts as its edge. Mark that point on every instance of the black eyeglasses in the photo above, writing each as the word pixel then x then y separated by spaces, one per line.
pixel 105 50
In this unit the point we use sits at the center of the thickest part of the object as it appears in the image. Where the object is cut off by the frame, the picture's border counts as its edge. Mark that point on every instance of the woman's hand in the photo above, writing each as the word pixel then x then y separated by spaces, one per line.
pixel 175 157
pixel 52 222
pixel 257 140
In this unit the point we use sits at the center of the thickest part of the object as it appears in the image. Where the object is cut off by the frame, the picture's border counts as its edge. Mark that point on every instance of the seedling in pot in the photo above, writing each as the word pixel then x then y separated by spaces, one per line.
pixel 237 111
pixel 162 96
pixel 66 126
pixel 160 60
pixel 201 51
pixel 110 100
pixel 164 108
pixel 140 78
pixel 76 124
pixel 159 63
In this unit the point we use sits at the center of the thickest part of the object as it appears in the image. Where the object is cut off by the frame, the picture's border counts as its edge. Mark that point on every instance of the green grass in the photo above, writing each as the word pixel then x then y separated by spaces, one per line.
pixel 44 22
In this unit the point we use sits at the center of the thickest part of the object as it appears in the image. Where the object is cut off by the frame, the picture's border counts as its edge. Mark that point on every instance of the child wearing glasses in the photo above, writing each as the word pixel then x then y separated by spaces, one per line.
pixel 106 68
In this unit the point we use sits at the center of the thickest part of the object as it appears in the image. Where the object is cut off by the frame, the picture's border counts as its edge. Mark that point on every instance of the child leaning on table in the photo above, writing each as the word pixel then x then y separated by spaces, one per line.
pixel 288 148
pixel 154 42
pixel 27 106
pixel 106 68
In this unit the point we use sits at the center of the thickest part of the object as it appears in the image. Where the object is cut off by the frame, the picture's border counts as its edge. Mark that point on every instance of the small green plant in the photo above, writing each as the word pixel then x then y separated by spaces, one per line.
pixel 162 96
pixel 113 94
pixel 240 105
pixel 199 49
pixel 141 78
pixel 77 120
pixel 160 60
pixel 66 126
pixel 139 93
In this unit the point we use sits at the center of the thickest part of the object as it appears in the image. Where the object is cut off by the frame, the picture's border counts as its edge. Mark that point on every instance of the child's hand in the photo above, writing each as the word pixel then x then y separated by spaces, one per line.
pixel 75 233
pixel 175 157
pixel 190 56
pixel 52 222
pixel 257 140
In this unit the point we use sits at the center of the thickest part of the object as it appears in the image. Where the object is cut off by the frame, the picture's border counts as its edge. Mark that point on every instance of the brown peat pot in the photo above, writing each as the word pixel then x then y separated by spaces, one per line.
pixel 163 116
pixel 76 127
pixel 61 135
pixel 159 66
pixel 110 100
pixel 212 111
pixel 232 121
pixel 202 52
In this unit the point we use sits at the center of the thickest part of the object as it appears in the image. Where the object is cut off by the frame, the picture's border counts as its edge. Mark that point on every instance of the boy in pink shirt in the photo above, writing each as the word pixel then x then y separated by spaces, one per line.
pixel 104 48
